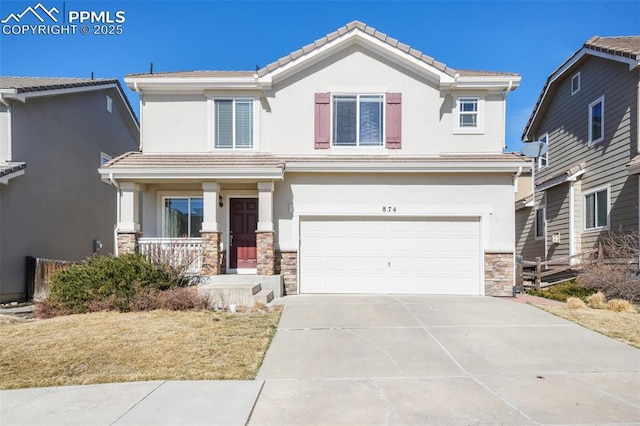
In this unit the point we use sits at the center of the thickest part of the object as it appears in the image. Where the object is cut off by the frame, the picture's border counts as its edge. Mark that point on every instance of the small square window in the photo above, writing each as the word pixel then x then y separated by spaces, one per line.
pixel 596 121
pixel 109 104
pixel 575 83
pixel 468 112
pixel 596 209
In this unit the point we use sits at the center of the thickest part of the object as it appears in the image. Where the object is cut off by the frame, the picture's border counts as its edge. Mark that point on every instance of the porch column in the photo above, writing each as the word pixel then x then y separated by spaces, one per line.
pixel 210 233
pixel 265 234
pixel 128 218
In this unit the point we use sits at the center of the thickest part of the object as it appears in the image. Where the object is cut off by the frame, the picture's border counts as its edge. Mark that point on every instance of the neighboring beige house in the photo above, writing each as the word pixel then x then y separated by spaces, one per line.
pixel 356 164
pixel 587 183
pixel 54 135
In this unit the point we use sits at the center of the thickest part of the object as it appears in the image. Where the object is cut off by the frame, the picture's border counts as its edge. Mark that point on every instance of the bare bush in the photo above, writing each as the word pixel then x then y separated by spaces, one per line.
pixel 176 299
pixel 575 303
pixel 597 301
pixel 616 273
pixel 619 305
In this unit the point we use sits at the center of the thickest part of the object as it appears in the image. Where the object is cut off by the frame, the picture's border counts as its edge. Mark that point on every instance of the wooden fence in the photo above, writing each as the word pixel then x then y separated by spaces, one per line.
pixel 558 265
pixel 39 274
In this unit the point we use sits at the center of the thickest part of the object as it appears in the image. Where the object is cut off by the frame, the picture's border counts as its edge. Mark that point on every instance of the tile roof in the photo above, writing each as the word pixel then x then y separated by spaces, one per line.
pixel 195 74
pixel 8 168
pixel 569 172
pixel 625 46
pixel 352 26
pixel 170 161
pixel 37 84
pixel 134 160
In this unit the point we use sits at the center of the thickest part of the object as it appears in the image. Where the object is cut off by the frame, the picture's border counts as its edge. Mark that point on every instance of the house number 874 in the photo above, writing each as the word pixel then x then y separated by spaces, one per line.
pixel 388 209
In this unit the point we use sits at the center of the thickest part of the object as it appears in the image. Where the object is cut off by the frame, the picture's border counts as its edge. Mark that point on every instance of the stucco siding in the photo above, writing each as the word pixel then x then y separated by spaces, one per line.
pixel 565 118
pixel 184 123
pixel 60 205
pixel 4 133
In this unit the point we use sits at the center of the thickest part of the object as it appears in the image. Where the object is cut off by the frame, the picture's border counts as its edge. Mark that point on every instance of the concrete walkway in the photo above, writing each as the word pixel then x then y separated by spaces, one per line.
pixel 362 360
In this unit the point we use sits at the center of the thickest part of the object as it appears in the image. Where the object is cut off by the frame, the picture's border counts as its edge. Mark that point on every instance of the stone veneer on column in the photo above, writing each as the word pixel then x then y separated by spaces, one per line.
pixel 287 266
pixel 210 253
pixel 266 255
pixel 498 274
pixel 127 242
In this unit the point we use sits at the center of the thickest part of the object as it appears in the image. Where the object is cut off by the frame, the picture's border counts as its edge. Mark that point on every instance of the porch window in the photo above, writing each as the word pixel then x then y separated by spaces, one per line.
pixel 182 217
pixel 233 123
pixel 357 120
pixel 596 208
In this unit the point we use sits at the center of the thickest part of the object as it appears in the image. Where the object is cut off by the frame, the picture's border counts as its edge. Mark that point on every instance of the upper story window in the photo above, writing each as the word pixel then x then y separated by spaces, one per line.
pixel 596 120
pixel 468 112
pixel 368 120
pixel 575 83
pixel 358 120
pixel 109 104
pixel 104 158
pixel 596 209
pixel 233 123
pixel 543 160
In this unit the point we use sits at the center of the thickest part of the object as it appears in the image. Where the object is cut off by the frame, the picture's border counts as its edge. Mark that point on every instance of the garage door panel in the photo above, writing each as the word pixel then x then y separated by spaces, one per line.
pixel 358 255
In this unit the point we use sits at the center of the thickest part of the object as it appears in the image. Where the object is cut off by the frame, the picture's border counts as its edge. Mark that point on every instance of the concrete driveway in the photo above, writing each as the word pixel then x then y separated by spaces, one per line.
pixel 441 360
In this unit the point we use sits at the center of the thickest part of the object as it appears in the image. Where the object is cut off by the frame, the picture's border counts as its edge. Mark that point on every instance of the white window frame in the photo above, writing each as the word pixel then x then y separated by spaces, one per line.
pixel 574 89
pixel 479 129
pixel 109 104
pixel 163 196
pixel 592 191
pixel 256 121
pixel 591 105
pixel 544 156
pixel 357 145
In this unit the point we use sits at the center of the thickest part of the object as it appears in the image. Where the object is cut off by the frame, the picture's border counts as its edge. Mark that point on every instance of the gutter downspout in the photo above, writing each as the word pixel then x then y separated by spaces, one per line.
pixel 139 92
pixel 504 114
pixel 6 103
pixel 118 215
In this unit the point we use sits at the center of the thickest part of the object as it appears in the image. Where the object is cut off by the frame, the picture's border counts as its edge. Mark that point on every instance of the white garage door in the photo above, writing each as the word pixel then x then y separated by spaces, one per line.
pixel 396 256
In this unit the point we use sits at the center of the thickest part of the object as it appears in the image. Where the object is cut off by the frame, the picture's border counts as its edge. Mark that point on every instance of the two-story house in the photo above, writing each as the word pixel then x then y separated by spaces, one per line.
pixel 54 135
pixel 356 164
pixel 586 185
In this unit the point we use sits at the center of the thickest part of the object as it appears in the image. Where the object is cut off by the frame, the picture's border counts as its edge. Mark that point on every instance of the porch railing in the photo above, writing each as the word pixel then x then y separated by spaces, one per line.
pixel 177 252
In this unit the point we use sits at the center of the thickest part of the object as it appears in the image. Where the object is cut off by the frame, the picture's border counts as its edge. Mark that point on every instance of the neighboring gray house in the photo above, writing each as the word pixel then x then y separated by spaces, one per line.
pixel 587 183
pixel 54 135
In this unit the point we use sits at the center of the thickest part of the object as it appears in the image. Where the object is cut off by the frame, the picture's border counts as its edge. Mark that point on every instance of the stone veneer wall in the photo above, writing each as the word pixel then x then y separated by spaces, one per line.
pixel 498 274
pixel 127 242
pixel 266 254
pixel 287 266
pixel 210 253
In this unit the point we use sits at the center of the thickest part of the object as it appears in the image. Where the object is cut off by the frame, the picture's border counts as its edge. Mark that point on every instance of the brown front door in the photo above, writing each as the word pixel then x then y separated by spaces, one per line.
pixel 244 222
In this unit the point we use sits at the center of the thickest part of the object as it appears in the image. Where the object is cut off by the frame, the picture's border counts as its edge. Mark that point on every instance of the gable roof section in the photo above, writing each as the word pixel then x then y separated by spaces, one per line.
pixel 21 88
pixel 623 49
pixel 353 32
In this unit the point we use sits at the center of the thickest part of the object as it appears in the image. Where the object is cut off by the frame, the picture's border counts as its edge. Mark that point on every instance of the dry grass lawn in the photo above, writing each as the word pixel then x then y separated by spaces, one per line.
pixel 111 347
pixel 624 327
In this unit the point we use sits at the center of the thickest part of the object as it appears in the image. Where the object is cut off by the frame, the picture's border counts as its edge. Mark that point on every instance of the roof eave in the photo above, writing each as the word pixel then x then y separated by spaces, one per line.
pixel 169 84
pixel 133 173
pixel 405 167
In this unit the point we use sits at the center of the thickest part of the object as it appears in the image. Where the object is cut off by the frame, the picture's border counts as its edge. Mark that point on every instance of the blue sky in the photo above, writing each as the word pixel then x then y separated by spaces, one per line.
pixel 531 38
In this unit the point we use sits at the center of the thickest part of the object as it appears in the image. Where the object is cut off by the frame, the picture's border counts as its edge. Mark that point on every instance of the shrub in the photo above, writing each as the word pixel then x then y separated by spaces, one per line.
pixel 563 291
pixel 619 305
pixel 617 275
pixel 597 301
pixel 175 299
pixel 104 283
pixel 575 303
